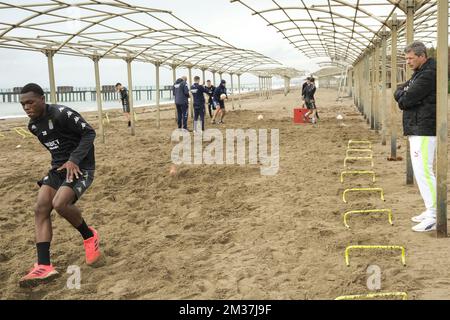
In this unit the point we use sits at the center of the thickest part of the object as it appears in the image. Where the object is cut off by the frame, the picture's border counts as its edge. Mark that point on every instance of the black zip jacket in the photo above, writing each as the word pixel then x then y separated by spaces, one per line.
pixel 218 92
pixel 66 135
pixel 417 99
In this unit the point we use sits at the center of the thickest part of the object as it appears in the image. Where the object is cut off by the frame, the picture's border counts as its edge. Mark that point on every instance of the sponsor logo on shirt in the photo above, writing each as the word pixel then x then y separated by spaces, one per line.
pixel 52 145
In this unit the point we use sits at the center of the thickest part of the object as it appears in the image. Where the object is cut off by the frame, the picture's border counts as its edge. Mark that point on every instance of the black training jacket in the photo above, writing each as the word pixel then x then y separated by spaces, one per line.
pixel 66 135
pixel 417 99
pixel 219 91
pixel 197 91
pixel 124 96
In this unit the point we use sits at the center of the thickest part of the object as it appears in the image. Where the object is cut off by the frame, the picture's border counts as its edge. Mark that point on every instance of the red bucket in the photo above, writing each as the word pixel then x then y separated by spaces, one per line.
pixel 299 115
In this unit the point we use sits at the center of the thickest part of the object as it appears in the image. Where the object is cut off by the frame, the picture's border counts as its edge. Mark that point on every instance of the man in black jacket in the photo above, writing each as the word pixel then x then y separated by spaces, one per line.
pixel 125 101
pixel 70 141
pixel 417 99
pixel 210 91
pixel 181 94
pixel 219 97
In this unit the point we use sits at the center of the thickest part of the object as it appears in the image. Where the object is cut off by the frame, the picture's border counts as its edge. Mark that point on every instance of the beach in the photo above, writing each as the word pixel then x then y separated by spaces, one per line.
pixel 224 231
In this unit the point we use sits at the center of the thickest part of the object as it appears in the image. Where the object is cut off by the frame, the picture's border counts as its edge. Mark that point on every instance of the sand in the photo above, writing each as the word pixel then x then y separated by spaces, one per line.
pixel 223 232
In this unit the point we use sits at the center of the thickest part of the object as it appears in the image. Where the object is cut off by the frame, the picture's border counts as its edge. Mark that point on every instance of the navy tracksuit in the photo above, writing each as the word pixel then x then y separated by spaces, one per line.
pixel 197 91
pixel 210 92
pixel 181 94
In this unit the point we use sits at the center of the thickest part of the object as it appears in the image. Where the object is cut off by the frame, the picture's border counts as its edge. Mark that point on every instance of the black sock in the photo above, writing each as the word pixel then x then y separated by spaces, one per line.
pixel 43 253
pixel 129 123
pixel 86 233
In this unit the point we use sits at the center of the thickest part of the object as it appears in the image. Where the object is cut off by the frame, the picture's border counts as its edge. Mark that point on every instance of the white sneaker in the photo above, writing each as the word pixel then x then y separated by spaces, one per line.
pixel 424 215
pixel 429 224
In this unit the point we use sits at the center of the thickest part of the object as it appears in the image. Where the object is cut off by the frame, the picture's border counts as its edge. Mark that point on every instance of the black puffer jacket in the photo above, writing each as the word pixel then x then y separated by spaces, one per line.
pixel 417 99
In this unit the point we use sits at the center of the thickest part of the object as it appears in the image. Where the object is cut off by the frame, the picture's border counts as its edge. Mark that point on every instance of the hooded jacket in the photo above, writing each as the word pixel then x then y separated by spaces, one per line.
pixel 181 92
pixel 417 99
pixel 197 91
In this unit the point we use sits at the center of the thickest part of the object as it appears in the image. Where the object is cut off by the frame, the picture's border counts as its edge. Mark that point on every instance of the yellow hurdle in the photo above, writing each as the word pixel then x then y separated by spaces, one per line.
pixel 366 143
pixel 358 172
pixel 364 190
pixel 369 151
pixel 347 251
pixel 403 295
pixel 22 132
pixel 358 158
pixel 388 211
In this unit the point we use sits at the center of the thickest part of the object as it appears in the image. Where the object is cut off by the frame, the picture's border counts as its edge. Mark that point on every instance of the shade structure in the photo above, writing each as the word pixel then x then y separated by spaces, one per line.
pixel 118 30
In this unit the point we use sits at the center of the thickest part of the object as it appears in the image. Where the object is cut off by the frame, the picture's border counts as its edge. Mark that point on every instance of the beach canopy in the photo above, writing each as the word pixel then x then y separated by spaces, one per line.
pixel 120 30
pixel 343 30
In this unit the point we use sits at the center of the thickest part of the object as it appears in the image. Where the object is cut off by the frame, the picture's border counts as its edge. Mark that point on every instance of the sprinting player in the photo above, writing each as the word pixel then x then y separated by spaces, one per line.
pixel 218 102
pixel 198 92
pixel 310 101
pixel 417 99
pixel 181 94
pixel 125 101
pixel 210 91
pixel 70 141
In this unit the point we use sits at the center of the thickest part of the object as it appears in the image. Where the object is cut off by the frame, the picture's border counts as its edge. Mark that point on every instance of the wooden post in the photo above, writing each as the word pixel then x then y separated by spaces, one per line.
pixel 51 73
pixel 383 104
pixel 376 100
pixel 174 77
pixel 239 89
pixel 259 86
pixel 372 89
pixel 394 36
pixel 130 94
pixel 350 82
pixel 158 112
pixel 442 118
pixel 410 8
pixel 232 91
pixel 99 97
pixel 366 91
pixel 204 76
pixel 191 100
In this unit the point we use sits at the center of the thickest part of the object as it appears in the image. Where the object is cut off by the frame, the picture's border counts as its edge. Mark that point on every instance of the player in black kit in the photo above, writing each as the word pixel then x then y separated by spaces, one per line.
pixel 70 141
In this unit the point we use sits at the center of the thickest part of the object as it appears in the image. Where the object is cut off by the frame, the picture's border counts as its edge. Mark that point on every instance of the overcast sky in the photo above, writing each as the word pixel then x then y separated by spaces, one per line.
pixel 232 22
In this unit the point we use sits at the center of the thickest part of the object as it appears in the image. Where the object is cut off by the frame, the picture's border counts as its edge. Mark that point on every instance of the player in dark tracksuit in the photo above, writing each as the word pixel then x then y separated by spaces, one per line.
pixel 70 141
pixel 219 103
pixel 125 101
pixel 181 94
pixel 310 100
pixel 198 92
pixel 210 91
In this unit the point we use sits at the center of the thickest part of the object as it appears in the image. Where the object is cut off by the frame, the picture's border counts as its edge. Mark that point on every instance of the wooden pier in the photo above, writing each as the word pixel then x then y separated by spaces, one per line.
pixel 71 94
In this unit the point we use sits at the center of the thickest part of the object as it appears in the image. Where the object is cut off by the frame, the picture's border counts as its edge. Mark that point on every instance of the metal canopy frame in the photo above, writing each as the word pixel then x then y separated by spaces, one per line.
pixel 342 30
pixel 119 30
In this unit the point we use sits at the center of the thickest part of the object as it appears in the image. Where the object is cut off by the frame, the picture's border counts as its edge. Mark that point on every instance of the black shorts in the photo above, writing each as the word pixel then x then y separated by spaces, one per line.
pixel 126 107
pixel 220 104
pixel 310 104
pixel 57 179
